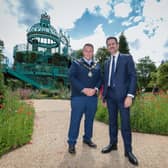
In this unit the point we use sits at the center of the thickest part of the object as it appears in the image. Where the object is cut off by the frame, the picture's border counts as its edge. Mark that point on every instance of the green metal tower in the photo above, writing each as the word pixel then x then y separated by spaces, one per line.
pixel 43 61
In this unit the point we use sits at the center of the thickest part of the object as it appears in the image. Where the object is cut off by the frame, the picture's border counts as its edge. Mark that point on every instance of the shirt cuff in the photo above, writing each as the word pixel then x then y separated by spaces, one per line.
pixel 82 90
pixel 96 89
pixel 130 95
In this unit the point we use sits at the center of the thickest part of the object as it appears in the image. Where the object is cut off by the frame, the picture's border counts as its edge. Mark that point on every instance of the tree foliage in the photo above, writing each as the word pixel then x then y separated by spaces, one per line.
pixel 162 76
pixel 145 67
pixel 123 44
pixel 2 87
pixel 77 53
pixel 101 55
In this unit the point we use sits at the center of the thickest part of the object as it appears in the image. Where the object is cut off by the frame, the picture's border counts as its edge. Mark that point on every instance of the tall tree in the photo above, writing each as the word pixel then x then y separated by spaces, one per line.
pixel 77 53
pixel 101 55
pixel 145 67
pixel 162 76
pixel 153 82
pixel 123 44
pixel 2 88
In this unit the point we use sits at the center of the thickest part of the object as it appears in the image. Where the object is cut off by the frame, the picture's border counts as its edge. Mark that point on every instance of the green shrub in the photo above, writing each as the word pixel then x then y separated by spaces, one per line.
pixel 63 93
pixel 102 113
pixel 16 118
pixel 2 87
pixel 149 114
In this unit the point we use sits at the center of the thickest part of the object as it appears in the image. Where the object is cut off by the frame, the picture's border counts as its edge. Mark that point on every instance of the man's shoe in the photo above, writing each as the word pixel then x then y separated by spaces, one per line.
pixel 109 148
pixel 90 144
pixel 72 149
pixel 132 158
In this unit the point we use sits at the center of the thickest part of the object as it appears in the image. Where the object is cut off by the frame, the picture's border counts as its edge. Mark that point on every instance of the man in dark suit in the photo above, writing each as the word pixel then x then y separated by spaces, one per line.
pixel 85 80
pixel 119 90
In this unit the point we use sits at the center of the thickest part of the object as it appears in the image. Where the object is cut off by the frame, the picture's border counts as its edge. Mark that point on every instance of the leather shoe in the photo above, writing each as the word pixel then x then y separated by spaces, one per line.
pixel 72 149
pixel 90 144
pixel 109 148
pixel 132 158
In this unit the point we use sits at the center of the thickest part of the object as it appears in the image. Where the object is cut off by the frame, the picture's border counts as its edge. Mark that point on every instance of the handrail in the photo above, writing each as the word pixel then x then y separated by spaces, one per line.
pixel 25 78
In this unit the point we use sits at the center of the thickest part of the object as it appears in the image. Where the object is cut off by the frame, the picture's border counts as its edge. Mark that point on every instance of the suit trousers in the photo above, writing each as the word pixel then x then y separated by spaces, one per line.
pixel 82 105
pixel 115 104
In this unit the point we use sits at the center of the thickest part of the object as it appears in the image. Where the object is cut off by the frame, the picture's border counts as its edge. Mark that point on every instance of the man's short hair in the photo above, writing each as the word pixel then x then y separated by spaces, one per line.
pixel 111 38
pixel 88 45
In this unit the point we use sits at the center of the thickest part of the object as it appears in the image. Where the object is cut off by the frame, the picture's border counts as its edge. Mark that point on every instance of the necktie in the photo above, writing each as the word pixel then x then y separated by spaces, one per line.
pixel 111 72
pixel 90 63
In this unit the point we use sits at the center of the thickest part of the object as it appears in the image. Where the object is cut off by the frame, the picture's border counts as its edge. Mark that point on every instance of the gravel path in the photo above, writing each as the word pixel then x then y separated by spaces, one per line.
pixel 49 147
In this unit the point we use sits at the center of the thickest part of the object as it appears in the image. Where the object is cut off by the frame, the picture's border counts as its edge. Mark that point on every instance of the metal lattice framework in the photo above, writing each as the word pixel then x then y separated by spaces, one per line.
pixel 43 61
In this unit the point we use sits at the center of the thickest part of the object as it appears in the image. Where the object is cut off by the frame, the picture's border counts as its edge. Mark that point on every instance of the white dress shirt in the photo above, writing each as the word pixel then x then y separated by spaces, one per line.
pixel 88 61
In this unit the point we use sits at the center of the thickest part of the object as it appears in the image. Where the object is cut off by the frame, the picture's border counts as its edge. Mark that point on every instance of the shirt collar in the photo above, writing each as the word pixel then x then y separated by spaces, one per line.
pixel 88 61
pixel 116 54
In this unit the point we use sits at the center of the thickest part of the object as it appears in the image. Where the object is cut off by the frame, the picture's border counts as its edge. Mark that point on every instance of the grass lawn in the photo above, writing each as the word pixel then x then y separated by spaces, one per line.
pixel 149 114
pixel 16 123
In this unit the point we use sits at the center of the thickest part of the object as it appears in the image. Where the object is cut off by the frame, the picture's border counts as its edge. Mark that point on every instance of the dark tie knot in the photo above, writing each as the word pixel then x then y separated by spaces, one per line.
pixel 91 63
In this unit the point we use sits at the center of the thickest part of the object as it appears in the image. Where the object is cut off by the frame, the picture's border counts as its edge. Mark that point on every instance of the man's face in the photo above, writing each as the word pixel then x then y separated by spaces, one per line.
pixel 112 46
pixel 88 52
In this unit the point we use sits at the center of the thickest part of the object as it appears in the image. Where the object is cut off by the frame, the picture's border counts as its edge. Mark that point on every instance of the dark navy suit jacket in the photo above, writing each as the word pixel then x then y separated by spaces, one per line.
pixel 78 75
pixel 125 76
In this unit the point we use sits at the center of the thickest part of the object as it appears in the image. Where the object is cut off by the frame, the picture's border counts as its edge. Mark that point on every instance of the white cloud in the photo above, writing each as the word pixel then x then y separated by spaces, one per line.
pixel 110 21
pixel 155 23
pixel 11 32
pixel 153 47
pixel 155 13
pixel 137 18
pixel 126 23
pixel 122 9
pixel 132 20
pixel 104 7
pixel 155 10
pixel 97 39
pixel 65 13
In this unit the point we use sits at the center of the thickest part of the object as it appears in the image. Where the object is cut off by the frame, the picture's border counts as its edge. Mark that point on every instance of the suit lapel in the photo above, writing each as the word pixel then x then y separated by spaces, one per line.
pixel 118 63
pixel 108 65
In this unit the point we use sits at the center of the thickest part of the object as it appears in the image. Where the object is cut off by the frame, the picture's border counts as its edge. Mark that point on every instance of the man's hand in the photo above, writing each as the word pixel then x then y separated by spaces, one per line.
pixel 104 104
pixel 128 102
pixel 89 91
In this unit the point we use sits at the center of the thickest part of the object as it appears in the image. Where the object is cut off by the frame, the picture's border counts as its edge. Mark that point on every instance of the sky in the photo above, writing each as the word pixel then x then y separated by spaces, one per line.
pixel 144 23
